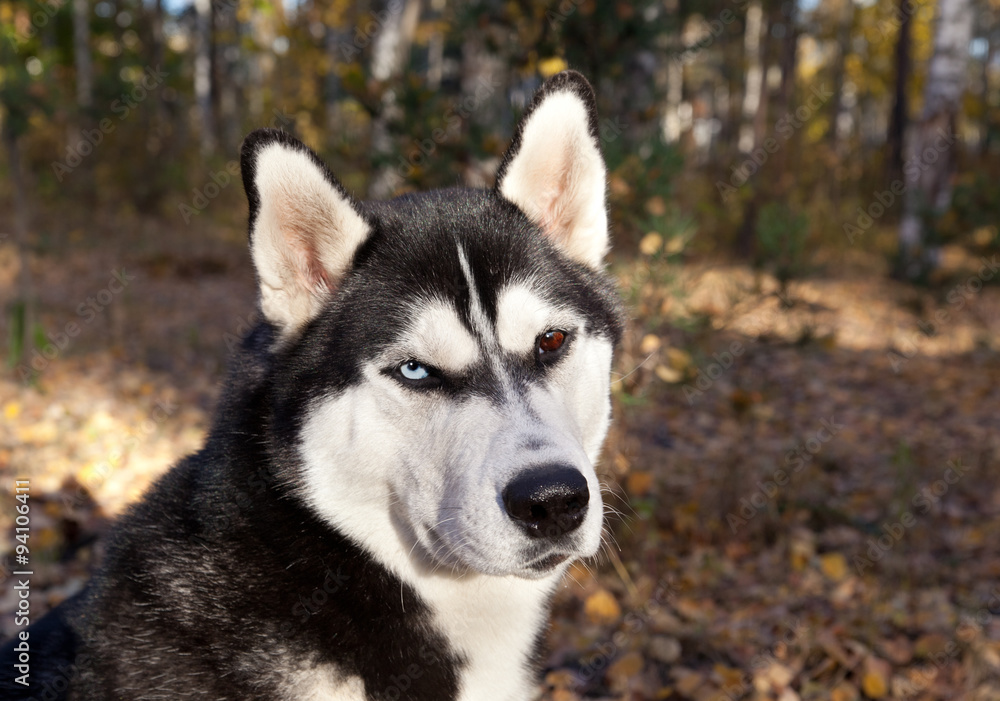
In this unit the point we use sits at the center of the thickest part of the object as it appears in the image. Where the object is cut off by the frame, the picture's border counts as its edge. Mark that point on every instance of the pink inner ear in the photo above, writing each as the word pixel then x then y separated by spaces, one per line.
pixel 556 206
pixel 306 266
pixel 302 251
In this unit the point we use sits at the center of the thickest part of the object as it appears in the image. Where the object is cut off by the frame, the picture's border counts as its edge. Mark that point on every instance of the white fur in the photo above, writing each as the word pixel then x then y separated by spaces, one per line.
pixel 303 238
pixel 425 502
pixel 478 316
pixel 558 178
pixel 438 337
pixel 522 314
pixel 324 683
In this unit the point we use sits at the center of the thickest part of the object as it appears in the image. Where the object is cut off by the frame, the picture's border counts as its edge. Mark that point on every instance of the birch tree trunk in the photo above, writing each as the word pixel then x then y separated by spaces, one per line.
pixel 898 116
pixel 158 56
pixel 754 85
pixel 933 138
pixel 675 95
pixel 203 75
pixel 81 54
pixel 389 56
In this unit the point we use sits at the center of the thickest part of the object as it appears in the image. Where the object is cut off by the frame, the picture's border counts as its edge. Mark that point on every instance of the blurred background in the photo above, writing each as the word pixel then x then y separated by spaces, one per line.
pixel 803 473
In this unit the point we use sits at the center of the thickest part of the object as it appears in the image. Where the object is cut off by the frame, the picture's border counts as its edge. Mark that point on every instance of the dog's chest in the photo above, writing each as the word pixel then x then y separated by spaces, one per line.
pixel 490 625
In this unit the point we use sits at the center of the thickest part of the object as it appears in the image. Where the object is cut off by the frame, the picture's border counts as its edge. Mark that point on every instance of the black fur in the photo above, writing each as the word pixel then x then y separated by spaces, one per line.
pixel 221 574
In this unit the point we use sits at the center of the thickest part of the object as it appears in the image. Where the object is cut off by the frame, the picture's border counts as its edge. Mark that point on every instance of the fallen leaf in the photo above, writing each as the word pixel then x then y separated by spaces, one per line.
pixel 844 691
pixel 650 243
pixel 650 344
pixel 639 483
pixel 601 607
pixel 875 674
pixel 833 565
pixel 668 374
pixel 665 649
pixel 623 669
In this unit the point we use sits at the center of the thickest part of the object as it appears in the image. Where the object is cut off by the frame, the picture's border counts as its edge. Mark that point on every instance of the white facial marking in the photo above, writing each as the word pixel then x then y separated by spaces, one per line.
pixel 438 337
pixel 476 312
pixel 522 315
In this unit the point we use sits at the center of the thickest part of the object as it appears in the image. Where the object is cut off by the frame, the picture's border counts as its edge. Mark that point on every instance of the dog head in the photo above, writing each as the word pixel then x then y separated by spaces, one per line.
pixel 440 390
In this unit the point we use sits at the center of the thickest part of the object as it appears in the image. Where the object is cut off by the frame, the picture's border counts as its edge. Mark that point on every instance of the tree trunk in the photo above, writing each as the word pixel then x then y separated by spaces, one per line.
pixel 81 51
pixel 786 96
pixel 331 83
pixel 898 117
pixel 435 50
pixel 390 52
pixel 675 96
pixel 158 57
pixel 203 75
pixel 754 86
pixel 840 113
pixel 933 137
pixel 987 125
pixel 22 309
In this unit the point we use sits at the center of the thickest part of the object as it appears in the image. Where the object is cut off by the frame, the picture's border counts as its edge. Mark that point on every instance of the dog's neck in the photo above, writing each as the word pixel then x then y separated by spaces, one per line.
pixel 494 624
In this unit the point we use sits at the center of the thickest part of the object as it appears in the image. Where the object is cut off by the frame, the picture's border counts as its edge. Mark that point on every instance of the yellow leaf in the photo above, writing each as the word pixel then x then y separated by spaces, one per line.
pixel 626 667
pixel 11 410
pixel 601 607
pixel 845 691
pixel 656 206
pixel 550 66
pixel 874 686
pixel 650 344
pixel 668 375
pixel 678 359
pixel 728 676
pixel 875 678
pixel 834 566
pixel 639 483
pixel 650 243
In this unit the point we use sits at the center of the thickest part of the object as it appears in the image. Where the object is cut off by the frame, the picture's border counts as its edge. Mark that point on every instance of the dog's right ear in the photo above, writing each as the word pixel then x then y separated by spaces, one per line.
pixel 304 228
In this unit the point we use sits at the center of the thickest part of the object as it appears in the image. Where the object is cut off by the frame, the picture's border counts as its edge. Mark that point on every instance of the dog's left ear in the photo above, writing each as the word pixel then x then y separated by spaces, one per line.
pixel 554 171
pixel 304 227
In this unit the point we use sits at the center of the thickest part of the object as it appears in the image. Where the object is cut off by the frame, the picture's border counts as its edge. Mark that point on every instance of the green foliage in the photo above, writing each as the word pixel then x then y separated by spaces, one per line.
pixel 781 241
pixel 975 212
pixel 16 315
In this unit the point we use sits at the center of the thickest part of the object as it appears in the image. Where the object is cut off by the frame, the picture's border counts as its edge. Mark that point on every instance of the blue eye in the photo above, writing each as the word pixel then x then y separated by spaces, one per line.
pixel 412 370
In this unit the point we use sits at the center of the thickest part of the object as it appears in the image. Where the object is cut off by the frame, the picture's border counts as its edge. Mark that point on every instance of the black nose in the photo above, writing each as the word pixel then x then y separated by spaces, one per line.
pixel 548 501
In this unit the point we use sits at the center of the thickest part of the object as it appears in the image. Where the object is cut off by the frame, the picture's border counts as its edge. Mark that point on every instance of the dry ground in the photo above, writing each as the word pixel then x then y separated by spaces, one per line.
pixel 808 483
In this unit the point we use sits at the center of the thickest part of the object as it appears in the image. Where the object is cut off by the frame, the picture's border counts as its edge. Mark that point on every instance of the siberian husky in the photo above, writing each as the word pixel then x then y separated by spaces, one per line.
pixel 402 463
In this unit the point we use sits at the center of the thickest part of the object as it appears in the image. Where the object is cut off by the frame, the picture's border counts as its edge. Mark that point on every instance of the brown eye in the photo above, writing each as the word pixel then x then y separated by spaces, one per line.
pixel 551 341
